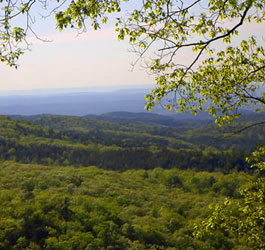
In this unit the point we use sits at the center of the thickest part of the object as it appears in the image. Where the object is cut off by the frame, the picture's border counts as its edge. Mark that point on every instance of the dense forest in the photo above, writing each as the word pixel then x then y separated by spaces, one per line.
pixel 44 207
pixel 120 145
pixel 117 182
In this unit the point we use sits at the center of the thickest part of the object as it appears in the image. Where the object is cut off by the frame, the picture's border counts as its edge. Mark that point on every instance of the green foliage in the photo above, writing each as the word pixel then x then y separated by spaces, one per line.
pixel 241 219
pixel 55 207
pixel 219 79
pixel 44 207
pixel 111 145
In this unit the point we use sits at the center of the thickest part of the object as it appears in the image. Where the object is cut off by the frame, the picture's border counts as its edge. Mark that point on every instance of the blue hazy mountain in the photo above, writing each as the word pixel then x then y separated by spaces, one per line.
pixel 84 101
pixel 75 103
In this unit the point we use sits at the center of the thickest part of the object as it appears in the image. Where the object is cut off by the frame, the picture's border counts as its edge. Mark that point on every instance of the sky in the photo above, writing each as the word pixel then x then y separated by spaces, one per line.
pixel 69 61
pixel 93 59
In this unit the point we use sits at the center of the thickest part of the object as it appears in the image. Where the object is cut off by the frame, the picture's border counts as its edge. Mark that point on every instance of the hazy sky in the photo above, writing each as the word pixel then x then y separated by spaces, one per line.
pixel 95 58
pixel 90 59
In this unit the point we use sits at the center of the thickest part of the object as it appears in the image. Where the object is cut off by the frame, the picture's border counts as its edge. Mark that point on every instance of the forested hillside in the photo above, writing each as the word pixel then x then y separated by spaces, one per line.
pixel 66 140
pixel 118 182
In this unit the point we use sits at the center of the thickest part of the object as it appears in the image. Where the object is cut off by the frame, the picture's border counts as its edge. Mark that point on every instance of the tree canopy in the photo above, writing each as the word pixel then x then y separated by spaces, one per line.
pixel 243 219
pixel 223 74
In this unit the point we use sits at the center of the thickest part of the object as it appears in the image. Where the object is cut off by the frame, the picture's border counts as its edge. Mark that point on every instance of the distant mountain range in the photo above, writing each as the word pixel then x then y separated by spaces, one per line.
pixel 78 103
pixel 115 105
